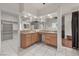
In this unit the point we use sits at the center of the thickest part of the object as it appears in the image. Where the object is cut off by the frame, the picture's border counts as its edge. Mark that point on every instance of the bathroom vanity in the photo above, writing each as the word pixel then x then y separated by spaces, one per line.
pixel 50 39
pixel 39 30
pixel 30 38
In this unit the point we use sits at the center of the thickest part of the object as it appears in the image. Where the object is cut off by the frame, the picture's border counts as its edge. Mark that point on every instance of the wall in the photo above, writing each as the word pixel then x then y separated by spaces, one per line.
pixel 14 9
pixel 11 7
pixel 13 19
pixel 59 39
pixel 0 31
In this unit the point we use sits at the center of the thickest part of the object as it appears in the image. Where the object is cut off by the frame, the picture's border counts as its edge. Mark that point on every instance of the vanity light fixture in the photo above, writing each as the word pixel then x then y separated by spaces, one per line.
pixel 41 17
pixel 29 14
pixel 25 16
pixel 35 16
pixel 49 15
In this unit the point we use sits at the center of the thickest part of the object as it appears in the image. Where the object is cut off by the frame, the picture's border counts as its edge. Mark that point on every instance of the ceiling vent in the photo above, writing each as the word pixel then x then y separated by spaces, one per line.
pixel 44 3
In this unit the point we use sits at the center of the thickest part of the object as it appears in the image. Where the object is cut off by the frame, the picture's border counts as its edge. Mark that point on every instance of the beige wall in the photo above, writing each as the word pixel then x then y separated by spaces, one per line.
pixel 11 7
pixel 0 31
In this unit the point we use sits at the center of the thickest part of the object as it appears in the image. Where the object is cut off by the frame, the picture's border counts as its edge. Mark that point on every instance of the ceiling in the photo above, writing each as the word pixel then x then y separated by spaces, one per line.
pixel 38 9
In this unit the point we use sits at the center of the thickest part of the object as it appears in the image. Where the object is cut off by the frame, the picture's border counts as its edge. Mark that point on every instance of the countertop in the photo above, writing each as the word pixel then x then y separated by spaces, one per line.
pixel 29 32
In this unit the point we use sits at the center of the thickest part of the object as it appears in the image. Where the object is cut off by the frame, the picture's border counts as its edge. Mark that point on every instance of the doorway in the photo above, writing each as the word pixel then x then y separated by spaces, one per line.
pixel 70 30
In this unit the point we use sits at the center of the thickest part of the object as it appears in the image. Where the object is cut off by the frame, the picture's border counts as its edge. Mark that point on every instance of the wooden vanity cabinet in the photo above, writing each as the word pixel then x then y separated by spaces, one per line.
pixel 25 40
pixel 35 38
pixel 51 39
pixel 28 39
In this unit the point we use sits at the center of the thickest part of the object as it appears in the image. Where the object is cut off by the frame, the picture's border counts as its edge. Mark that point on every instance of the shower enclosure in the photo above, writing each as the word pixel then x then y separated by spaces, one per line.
pixel 9 32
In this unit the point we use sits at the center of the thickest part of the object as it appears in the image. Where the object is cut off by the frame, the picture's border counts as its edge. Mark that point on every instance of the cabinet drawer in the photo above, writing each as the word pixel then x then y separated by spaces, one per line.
pixel 34 40
pixel 51 41
pixel 28 42
pixel 25 36
pixel 50 37
pixel 50 34
pixel 22 36
pixel 34 35
pixel 25 40
pixel 23 43
pixel 28 35
pixel 47 41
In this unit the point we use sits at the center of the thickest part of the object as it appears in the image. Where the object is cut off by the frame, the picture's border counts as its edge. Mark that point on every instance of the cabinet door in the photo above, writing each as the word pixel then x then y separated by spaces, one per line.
pixel 51 39
pixel 25 40
pixel 28 41
pixel 34 37
pixel 47 40
pixel 23 43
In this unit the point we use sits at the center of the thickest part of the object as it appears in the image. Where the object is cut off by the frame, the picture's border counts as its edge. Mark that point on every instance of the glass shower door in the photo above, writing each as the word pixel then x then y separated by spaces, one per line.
pixel 7 31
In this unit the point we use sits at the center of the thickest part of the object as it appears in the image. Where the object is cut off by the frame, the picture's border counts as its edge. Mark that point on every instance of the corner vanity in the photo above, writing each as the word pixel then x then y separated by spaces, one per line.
pixel 30 38
pixel 39 30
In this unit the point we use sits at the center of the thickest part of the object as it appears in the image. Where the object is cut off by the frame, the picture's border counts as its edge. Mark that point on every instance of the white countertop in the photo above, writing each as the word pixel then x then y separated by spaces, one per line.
pixel 28 32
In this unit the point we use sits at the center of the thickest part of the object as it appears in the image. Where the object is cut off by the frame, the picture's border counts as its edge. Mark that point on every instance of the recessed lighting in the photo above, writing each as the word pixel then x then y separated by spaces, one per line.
pixel 49 15
pixel 35 17
pixel 29 14
pixel 41 17
pixel 25 16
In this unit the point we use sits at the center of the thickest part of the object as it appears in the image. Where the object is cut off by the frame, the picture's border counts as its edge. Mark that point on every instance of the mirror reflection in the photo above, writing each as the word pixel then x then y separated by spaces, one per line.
pixel 67 30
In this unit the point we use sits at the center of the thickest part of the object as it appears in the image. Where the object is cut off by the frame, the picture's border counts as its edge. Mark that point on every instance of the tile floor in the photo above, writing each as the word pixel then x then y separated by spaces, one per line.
pixel 8 48
pixel 45 50
pixel 39 49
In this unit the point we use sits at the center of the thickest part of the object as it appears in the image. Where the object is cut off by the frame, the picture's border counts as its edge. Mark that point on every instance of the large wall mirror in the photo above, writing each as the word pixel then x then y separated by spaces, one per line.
pixel 51 31
pixel 67 30
pixel 51 24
